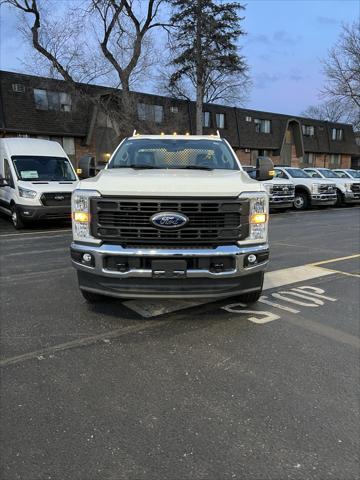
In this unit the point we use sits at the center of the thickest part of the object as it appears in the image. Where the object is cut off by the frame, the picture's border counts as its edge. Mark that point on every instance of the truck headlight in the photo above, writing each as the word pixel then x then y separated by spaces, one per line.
pixel 269 188
pixel 347 187
pixel 26 193
pixel 314 188
pixel 81 216
pixel 258 217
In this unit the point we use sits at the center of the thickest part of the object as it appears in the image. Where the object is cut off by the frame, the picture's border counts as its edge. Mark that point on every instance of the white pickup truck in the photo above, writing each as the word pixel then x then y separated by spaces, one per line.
pixel 309 192
pixel 280 190
pixel 171 216
pixel 347 190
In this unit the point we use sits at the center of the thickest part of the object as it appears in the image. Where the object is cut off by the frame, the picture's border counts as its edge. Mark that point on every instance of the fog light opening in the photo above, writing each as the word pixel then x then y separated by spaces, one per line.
pixel 87 259
pixel 252 259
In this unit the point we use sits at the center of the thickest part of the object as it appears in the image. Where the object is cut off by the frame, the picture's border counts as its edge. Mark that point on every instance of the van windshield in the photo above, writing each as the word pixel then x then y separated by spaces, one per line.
pixel 174 154
pixel 49 169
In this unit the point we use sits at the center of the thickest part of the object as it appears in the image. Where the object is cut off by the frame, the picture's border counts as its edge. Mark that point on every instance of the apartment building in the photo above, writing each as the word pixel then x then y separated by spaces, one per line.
pixel 32 106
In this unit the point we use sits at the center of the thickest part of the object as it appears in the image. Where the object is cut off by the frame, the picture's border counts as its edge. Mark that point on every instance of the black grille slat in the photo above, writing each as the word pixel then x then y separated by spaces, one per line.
pixel 53 199
pixel 128 221
pixel 327 188
pixel 355 187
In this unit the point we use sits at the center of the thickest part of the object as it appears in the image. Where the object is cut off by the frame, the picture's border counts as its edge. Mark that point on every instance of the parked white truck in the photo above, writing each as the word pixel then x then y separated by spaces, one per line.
pixel 308 191
pixel 347 190
pixel 36 180
pixel 280 190
pixel 171 216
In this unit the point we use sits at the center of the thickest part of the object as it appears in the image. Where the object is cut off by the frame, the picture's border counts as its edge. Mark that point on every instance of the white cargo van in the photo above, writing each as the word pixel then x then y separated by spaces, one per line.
pixel 36 180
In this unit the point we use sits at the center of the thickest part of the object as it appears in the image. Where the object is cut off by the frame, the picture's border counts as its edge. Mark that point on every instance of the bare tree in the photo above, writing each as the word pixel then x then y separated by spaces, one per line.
pixel 331 111
pixel 113 46
pixel 342 89
pixel 342 67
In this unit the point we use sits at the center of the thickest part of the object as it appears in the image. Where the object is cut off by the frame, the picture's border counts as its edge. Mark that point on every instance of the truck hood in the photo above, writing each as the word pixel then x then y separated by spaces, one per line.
pixel 310 180
pixel 188 183
pixel 278 181
pixel 43 187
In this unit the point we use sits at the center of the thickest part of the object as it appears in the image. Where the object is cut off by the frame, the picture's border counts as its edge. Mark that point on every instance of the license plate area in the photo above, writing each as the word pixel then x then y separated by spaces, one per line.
pixel 169 268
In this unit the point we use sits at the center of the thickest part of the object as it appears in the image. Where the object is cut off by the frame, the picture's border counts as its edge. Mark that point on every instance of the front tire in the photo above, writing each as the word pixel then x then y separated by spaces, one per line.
pixel 17 221
pixel 301 201
pixel 339 199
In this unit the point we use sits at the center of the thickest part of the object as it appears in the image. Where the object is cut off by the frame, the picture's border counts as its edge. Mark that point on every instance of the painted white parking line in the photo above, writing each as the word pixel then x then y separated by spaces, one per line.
pixel 278 278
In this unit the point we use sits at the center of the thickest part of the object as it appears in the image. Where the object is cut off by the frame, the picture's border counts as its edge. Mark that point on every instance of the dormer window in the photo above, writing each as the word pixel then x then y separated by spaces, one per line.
pixel 262 126
pixel 337 134
pixel 206 119
pixel 55 101
pixel 308 130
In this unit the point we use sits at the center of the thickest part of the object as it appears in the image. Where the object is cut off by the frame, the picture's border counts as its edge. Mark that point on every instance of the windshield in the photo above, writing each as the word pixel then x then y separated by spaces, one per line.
pixel 49 169
pixel 174 154
pixel 297 173
pixel 327 173
pixel 354 173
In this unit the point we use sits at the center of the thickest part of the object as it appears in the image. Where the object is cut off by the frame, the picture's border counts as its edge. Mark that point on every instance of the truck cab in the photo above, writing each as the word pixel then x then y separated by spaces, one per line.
pixel 347 190
pixel 171 216
pixel 36 180
pixel 308 191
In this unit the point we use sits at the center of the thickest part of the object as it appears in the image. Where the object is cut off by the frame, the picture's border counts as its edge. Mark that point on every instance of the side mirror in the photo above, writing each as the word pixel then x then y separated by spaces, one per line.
pixel 3 182
pixel 264 169
pixel 87 167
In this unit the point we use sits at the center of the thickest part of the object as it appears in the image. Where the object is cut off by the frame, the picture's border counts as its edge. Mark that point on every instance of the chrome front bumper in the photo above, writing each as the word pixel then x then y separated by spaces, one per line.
pixel 351 197
pixel 100 252
pixel 144 283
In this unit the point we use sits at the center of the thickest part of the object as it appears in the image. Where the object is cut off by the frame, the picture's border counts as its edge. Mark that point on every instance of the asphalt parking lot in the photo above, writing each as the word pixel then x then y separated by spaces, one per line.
pixel 184 390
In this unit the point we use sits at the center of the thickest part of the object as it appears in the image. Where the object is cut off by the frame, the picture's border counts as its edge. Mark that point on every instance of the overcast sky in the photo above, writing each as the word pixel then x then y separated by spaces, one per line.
pixel 285 42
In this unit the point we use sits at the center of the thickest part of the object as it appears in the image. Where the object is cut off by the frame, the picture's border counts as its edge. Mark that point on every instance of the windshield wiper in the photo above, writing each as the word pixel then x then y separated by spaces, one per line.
pixel 195 167
pixel 137 167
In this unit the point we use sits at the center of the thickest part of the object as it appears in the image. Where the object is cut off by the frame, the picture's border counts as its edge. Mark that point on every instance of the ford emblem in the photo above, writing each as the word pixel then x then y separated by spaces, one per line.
pixel 59 197
pixel 169 220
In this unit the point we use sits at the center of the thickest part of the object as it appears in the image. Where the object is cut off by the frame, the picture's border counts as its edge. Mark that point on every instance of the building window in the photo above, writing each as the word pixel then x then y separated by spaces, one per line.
pixel 262 126
pixel 150 113
pixel 335 160
pixel 309 158
pixel 23 135
pixel 264 153
pixel 206 119
pixel 174 109
pixel 54 101
pixel 247 119
pixel 308 130
pixel 337 134
pixel 18 87
pixel 220 120
pixel 69 145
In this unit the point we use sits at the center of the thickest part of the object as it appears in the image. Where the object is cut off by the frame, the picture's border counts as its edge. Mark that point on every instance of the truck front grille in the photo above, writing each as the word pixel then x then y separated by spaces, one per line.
pixel 327 188
pixel 211 222
pixel 355 187
pixel 281 190
pixel 56 199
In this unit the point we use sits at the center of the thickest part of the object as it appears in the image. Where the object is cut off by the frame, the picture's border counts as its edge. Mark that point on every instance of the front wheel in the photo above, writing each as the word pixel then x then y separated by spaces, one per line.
pixel 16 219
pixel 301 201
pixel 339 199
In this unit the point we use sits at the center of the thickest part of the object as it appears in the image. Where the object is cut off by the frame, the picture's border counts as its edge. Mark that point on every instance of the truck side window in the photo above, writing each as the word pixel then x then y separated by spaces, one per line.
pixel 280 174
pixel 7 173
pixel 313 174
